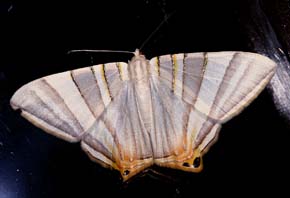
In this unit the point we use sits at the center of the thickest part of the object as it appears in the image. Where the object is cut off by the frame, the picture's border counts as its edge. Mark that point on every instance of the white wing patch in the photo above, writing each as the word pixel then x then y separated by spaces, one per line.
pixel 75 102
pixel 165 111
pixel 213 72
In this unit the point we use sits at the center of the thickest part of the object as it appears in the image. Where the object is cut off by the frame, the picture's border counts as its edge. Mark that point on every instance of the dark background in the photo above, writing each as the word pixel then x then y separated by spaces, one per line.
pixel 251 155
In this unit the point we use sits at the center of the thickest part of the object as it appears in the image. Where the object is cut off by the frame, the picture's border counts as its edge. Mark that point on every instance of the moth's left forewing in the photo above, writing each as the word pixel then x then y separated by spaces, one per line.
pixel 55 104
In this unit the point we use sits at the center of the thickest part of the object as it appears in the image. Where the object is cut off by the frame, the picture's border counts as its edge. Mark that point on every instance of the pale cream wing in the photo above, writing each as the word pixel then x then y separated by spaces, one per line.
pixel 217 85
pixel 174 127
pixel 67 104
pixel 119 139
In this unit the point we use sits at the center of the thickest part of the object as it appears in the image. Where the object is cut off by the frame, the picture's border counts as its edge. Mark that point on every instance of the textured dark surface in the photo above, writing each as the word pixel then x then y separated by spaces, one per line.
pixel 250 157
pixel 267 34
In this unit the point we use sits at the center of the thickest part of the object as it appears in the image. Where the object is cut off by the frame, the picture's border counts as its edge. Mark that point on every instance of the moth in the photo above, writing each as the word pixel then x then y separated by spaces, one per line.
pixel 165 111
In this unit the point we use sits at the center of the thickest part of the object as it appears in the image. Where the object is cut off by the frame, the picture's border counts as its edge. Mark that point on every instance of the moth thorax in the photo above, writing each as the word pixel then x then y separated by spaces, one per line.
pixel 138 68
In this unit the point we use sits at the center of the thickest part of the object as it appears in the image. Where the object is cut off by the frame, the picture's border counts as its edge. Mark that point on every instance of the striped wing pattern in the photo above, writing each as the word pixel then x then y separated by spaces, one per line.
pixel 119 137
pixel 217 85
pixel 67 104
pixel 189 97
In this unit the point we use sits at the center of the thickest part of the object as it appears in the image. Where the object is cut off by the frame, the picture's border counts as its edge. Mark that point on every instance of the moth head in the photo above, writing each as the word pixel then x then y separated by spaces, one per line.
pixel 138 66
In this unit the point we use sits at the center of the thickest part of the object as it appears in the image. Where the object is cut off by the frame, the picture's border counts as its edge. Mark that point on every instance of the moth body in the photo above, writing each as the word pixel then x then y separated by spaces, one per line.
pixel 166 111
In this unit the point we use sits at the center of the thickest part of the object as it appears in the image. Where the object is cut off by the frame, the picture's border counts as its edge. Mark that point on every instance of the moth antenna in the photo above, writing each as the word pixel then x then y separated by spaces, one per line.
pixel 106 51
pixel 156 29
